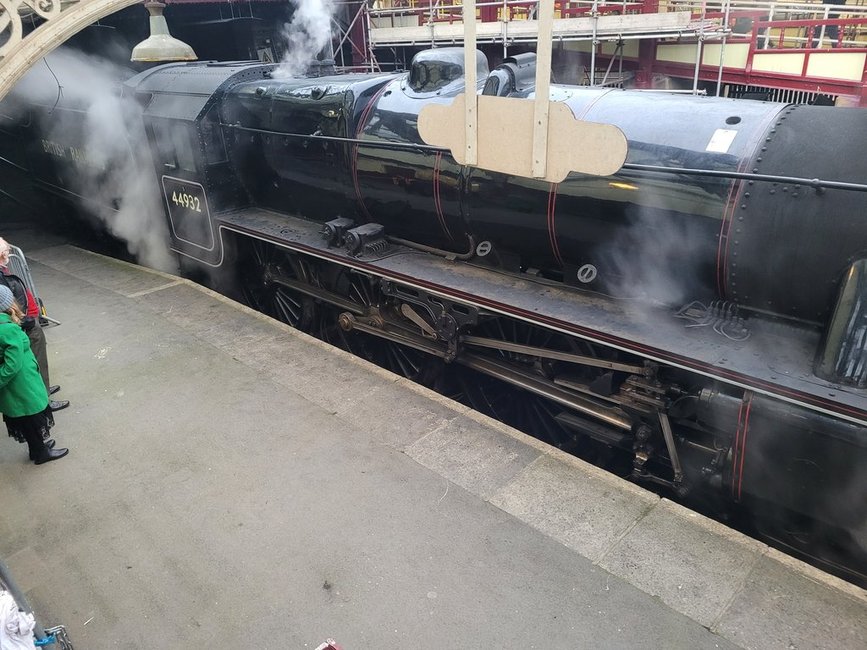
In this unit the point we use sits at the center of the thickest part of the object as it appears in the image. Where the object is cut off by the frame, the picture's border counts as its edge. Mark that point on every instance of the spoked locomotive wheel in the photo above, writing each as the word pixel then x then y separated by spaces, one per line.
pixel 263 266
pixel 518 408
pixel 413 364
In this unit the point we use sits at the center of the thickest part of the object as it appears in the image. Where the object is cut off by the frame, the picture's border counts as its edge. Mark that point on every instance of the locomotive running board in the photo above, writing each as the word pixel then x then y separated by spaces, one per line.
pixel 768 362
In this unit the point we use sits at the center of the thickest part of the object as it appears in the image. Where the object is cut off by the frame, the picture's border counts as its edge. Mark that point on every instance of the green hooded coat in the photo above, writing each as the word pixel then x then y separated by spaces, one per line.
pixel 22 391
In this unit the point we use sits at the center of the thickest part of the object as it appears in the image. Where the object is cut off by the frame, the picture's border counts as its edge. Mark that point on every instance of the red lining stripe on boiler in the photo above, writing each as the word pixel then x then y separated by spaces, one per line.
pixel 722 251
pixel 362 122
pixel 438 205
pixel 552 230
pixel 740 446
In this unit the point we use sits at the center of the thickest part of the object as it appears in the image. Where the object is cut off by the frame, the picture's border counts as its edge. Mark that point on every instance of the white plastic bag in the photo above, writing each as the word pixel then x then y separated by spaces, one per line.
pixel 16 627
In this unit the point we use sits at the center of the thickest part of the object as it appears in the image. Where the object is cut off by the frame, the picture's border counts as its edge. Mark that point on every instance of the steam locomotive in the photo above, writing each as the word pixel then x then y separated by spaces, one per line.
pixel 696 322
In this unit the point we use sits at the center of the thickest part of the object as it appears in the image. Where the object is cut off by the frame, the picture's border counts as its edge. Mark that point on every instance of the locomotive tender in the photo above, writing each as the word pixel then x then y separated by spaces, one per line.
pixel 697 321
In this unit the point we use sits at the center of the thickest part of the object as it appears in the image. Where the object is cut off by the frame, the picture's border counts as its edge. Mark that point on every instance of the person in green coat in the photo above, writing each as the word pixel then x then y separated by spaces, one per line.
pixel 23 398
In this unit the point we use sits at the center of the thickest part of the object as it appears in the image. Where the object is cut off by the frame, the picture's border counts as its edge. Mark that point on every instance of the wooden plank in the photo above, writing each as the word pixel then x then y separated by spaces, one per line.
pixel 543 88
pixel 470 81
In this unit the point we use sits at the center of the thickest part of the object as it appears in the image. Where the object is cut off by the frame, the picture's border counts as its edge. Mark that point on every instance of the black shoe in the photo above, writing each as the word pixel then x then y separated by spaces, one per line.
pixel 53 389
pixel 49 444
pixel 51 454
pixel 58 405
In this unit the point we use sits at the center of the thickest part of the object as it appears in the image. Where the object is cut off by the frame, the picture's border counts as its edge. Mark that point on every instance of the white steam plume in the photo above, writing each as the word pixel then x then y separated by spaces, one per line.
pixel 306 35
pixel 655 259
pixel 102 149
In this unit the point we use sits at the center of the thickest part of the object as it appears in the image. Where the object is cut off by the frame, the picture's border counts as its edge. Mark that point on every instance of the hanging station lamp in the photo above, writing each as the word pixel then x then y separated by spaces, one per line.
pixel 160 46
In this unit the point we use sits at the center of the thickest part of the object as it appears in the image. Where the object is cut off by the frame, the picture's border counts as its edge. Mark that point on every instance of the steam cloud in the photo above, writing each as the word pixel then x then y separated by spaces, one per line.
pixel 102 149
pixel 657 260
pixel 306 35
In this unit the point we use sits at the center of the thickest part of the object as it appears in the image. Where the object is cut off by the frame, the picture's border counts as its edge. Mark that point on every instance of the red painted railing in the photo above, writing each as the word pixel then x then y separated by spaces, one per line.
pixel 809 30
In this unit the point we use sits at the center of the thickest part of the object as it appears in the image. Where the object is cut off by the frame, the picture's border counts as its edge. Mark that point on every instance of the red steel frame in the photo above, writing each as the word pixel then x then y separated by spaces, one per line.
pixel 802 82
pixel 646 64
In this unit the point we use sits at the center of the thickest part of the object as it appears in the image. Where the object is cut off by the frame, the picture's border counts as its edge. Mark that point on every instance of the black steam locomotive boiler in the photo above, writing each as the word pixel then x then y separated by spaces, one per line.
pixel 696 322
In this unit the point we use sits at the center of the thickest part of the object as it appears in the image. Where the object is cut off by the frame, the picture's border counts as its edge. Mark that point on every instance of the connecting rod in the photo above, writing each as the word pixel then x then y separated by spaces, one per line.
pixel 499 370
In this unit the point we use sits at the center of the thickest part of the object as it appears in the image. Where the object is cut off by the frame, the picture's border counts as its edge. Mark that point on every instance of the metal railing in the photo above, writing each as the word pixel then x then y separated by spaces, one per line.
pixel 432 11
pixel 765 28
pixel 789 24
pixel 786 17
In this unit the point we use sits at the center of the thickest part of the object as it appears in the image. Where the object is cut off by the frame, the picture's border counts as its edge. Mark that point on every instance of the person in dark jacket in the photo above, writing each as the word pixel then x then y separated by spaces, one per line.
pixel 30 323
pixel 23 398
pixel 832 32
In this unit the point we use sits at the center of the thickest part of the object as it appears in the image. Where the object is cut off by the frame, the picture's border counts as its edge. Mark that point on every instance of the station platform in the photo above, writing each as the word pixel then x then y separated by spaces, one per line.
pixel 233 483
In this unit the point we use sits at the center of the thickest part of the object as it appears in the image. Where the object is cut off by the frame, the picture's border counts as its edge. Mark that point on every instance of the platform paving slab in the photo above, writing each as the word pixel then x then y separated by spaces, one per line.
pixel 229 474
pixel 471 455
pixel 103 272
pixel 583 511
pixel 695 569
pixel 397 415
pixel 782 608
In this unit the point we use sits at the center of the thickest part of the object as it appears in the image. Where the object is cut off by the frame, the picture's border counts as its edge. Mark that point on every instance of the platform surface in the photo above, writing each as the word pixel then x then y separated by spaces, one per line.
pixel 233 483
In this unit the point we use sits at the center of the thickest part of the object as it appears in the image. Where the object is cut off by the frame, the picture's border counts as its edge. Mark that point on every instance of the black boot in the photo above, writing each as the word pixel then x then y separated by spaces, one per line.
pixel 49 455
pixel 40 452
pixel 49 442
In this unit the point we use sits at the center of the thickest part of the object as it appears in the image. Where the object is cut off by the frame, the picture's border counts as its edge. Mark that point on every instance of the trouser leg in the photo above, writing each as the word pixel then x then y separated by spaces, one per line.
pixel 35 444
pixel 40 350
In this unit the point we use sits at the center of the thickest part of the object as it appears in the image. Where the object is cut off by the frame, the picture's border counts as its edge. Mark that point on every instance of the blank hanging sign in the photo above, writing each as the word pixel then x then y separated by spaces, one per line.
pixel 505 131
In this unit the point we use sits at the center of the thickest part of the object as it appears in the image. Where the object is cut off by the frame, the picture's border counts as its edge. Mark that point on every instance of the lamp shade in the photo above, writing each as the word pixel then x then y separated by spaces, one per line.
pixel 160 46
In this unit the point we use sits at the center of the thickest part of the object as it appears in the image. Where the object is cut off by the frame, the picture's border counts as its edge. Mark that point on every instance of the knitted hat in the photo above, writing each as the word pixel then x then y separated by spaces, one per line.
pixel 6 298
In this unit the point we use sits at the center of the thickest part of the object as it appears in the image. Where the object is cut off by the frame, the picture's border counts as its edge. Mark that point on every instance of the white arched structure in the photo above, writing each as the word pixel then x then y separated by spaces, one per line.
pixel 63 20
